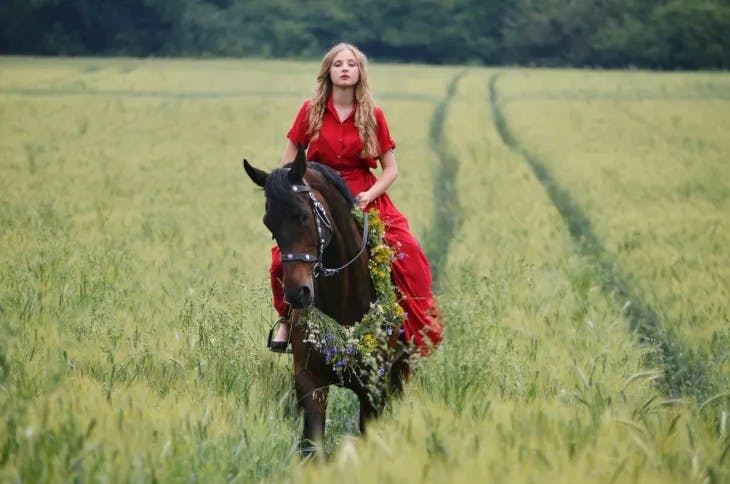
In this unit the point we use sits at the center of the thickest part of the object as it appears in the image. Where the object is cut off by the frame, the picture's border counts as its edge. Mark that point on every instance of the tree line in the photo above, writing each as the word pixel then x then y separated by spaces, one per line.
pixel 656 34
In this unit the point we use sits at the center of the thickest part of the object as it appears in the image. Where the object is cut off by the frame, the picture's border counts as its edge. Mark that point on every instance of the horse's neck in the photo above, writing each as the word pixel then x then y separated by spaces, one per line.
pixel 347 295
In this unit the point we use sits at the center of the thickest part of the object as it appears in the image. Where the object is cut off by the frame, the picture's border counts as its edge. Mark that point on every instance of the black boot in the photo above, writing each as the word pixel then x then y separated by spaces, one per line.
pixel 278 346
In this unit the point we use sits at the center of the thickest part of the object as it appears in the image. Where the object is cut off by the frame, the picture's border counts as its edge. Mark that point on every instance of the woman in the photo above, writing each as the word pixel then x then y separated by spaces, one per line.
pixel 342 128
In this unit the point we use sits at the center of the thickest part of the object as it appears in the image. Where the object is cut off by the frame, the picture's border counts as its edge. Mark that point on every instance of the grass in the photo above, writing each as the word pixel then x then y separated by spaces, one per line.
pixel 656 193
pixel 133 302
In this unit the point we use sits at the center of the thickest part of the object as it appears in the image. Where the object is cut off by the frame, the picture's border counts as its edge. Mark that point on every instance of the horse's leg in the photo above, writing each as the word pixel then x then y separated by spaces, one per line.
pixel 368 410
pixel 312 394
pixel 400 371
pixel 312 388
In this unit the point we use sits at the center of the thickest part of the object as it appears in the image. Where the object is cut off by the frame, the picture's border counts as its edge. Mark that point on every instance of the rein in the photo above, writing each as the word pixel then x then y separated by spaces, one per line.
pixel 321 219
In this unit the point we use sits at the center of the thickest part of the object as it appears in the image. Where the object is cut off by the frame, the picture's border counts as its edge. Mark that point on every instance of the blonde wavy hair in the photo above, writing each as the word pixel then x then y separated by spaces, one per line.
pixel 365 113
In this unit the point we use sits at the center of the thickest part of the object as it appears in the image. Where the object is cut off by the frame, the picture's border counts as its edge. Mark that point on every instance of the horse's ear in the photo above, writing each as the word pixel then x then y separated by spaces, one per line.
pixel 257 176
pixel 299 165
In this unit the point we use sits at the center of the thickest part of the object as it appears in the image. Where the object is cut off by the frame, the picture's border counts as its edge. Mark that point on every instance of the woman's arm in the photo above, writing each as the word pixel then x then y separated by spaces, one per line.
pixel 386 179
pixel 290 152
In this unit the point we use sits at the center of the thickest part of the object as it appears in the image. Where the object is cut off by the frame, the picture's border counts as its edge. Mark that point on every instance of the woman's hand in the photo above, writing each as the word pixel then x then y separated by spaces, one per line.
pixel 363 199
pixel 387 177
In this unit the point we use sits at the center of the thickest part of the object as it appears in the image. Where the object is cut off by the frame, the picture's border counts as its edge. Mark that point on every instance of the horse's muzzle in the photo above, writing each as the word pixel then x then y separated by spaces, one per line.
pixel 299 297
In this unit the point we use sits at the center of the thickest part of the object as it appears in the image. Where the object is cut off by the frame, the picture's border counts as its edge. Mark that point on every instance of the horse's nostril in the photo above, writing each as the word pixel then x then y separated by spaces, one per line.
pixel 305 295
pixel 301 297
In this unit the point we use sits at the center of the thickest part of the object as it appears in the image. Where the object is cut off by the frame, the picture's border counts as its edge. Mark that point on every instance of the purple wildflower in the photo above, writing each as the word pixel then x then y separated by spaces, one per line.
pixel 381 371
pixel 327 353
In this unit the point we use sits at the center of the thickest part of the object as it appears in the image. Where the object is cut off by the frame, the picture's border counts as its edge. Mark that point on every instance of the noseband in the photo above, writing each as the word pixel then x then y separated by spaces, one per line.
pixel 321 220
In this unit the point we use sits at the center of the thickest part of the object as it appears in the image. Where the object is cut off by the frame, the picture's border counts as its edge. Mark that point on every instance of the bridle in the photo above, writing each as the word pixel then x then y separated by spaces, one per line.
pixel 321 220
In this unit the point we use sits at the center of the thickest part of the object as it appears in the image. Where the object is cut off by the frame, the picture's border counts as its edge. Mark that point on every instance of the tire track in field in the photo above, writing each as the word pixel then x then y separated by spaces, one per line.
pixel 684 373
pixel 446 219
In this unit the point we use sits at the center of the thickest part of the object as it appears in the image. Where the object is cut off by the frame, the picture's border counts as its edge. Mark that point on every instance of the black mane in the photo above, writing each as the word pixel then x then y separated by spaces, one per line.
pixel 278 186
pixel 331 176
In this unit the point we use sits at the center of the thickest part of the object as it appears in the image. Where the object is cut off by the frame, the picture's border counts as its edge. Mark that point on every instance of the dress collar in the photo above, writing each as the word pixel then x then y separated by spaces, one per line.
pixel 333 111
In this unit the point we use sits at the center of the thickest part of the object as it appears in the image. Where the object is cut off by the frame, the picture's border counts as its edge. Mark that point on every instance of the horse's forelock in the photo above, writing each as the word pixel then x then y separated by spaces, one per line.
pixel 279 192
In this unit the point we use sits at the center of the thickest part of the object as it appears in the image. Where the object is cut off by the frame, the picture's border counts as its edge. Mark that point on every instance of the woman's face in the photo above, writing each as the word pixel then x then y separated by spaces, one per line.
pixel 344 71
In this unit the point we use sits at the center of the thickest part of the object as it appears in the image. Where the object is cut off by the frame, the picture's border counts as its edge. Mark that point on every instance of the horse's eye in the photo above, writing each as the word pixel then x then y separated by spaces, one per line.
pixel 303 218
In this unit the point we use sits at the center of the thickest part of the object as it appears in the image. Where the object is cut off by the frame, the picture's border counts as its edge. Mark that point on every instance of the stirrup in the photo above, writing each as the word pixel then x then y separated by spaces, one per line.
pixel 278 346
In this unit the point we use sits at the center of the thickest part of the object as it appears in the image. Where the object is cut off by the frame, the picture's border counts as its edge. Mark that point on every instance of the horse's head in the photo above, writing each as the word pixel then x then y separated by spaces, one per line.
pixel 298 224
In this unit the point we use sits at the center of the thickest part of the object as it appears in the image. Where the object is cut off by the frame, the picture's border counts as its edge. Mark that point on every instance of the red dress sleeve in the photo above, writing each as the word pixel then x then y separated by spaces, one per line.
pixel 385 142
pixel 298 132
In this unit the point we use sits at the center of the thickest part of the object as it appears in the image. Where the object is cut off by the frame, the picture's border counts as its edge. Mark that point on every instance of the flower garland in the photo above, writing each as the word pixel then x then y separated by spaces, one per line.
pixel 344 347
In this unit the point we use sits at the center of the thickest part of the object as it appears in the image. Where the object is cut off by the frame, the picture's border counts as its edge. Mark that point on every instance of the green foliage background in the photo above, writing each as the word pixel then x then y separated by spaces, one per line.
pixel 665 34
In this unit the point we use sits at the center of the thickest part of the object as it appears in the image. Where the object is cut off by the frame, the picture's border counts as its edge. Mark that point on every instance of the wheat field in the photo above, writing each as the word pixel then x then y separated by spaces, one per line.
pixel 576 222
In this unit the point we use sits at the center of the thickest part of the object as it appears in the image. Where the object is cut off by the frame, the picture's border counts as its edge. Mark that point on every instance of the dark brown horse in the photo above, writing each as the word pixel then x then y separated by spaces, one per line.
pixel 309 213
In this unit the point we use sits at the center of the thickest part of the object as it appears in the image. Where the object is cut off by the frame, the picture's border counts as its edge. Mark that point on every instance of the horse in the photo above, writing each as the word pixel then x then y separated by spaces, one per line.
pixel 309 212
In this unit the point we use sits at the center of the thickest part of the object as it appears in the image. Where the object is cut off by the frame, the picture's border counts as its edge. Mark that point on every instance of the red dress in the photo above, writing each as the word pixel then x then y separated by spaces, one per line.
pixel 339 146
